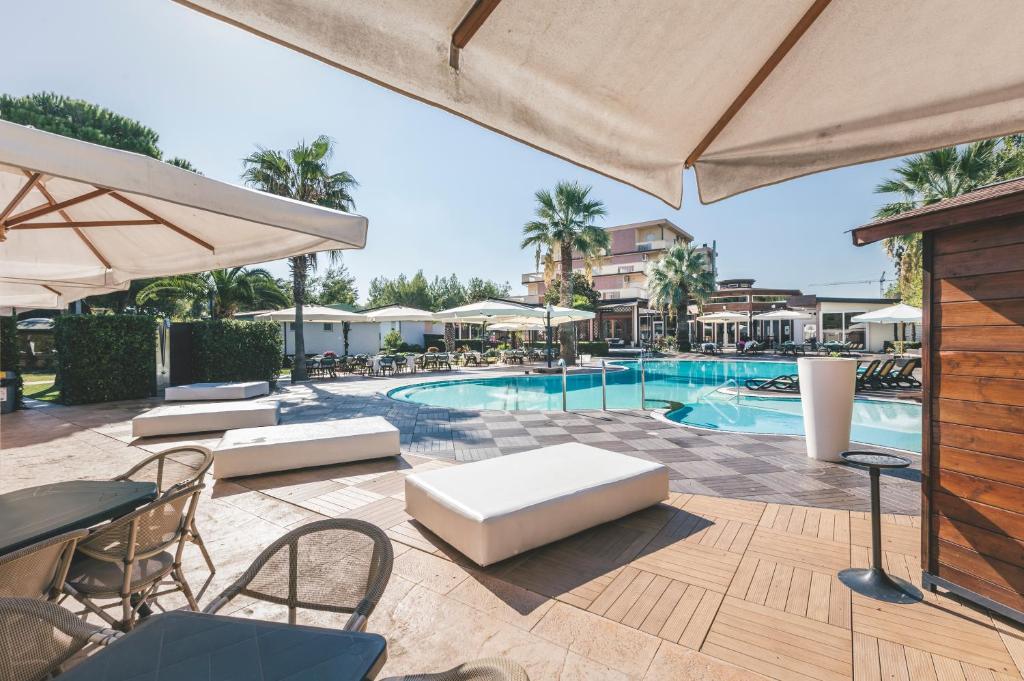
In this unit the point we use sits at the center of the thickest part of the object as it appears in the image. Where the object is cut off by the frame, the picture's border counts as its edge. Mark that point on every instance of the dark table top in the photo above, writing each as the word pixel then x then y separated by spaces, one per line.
pixel 188 646
pixel 875 459
pixel 35 513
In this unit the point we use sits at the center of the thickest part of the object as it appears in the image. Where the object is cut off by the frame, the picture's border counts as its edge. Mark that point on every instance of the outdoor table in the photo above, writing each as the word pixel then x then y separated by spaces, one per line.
pixel 874 582
pixel 33 514
pixel 186 646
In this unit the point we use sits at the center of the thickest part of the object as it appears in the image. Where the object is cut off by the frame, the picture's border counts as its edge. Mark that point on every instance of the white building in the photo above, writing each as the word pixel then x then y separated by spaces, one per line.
pixel 363 337
pixel 832 321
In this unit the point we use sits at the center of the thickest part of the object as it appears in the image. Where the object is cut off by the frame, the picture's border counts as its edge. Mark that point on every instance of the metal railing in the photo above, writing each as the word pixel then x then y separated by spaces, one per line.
pixel 604 386
pixel 565 370
pixel 735 397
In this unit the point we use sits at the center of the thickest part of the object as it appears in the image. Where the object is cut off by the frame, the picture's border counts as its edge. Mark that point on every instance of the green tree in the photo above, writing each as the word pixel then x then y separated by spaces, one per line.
pixel 446 293
pixel 337 286
pixel 680 275
pixel 402 290
pixel 565 223
pixel 303 174
pixel 230 291
pixel 584 295
pixel 478 289
pixel 184 164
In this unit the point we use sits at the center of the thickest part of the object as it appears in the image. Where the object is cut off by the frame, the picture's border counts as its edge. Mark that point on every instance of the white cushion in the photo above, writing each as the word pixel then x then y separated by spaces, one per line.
pixel 494 509
pixel 217 391
pixel 174 419
pixel 298 445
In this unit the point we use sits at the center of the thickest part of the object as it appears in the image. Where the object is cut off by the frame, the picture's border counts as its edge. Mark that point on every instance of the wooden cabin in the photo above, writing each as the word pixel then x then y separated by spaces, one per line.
pixel 973 364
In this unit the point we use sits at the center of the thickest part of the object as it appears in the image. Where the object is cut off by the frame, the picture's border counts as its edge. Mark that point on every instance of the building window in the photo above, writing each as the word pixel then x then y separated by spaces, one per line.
pixel 291 326
pixel 770 299
pixel 832 327
pixel 730 299
pixel 328 326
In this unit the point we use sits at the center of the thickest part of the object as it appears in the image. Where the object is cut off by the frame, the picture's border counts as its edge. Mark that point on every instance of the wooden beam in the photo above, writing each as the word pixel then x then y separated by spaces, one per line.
pixel 51 289
pixel 762 74
pixel 84 223
pixel 33 180
pixel 169 225
pixel 467 28
pixel 81 236
pixel 53 208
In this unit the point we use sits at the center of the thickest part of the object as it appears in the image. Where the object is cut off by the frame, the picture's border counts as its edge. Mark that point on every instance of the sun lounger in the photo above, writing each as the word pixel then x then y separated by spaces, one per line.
pixel 216 391
pixel 869 376
pixel 177 419
pixel 248 451
pixel 903 376
pixel 494 509
pixel 787 383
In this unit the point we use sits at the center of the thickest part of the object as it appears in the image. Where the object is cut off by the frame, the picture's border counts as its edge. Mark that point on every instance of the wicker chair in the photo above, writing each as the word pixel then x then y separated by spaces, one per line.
pixel 491 669
pixel 187 468
pixel 335 565
pixel 38 570
pixel 37 637
pixel 129 559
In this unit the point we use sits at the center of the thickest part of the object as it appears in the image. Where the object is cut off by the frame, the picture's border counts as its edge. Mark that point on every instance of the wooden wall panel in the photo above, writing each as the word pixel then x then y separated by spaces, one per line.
pixel 982 338
pixel 979 313
pixel 994 364
pixel 984 440
pixel 981 261
pixel 979 414
pixel 992 287
pixel 980 389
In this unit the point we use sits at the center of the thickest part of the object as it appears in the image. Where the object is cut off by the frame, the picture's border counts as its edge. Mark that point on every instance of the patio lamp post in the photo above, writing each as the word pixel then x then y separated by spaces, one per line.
pixel 548 350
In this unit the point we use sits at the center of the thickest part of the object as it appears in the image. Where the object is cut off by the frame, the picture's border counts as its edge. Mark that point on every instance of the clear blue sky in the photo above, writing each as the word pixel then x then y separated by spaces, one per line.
pixel 442 194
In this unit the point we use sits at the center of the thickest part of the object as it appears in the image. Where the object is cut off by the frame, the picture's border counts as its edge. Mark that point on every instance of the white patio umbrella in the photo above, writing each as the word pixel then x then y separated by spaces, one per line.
pixel 894 314
pixel 15 294
pixel 84 214
pixel 315 314
pixel 782 315
pixel 724 316
pixel 399 313
pixel 486 311
pixel 748 92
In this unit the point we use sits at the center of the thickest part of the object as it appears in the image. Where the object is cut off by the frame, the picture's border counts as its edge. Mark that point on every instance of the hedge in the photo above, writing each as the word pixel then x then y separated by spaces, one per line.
pixel 9 351
pixel 235 350
pixel 596 348
pixel 105 358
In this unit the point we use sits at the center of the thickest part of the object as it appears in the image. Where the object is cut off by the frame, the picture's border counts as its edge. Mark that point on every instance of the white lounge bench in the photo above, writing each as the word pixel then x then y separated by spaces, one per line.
pixel 249 451
pixel 175 419
pixel 495 509
pixel 217 391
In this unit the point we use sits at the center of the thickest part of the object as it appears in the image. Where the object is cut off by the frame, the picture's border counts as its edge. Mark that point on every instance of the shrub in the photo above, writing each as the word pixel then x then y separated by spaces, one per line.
pixel 392 341
pixel 102 358
pixel 9 350
pixel 434 340
pixel 235 350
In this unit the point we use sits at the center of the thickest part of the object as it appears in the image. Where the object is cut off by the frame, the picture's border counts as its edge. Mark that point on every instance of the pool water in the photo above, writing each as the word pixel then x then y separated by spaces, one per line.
pixel 698 393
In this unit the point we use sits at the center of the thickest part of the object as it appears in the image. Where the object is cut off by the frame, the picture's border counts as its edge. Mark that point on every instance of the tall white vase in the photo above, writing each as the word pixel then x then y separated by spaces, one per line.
pixel 827 386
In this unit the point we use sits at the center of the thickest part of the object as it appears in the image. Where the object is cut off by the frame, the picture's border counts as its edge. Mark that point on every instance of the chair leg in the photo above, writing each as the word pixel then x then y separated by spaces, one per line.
pixel 198 541
pixel 179 578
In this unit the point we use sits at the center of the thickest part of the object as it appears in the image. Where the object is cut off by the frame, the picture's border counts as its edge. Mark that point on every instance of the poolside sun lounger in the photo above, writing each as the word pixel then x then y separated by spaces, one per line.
pixel 248 451
pixel 869 376
pixel 177 419
pixel 494 509
pixel 788 383
pixel 903 376
pixel 217 391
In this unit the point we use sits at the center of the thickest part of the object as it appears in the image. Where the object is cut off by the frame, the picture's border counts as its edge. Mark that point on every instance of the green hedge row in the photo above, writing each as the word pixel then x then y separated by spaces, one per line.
pixel 8 344
pixel 105 357
pixel 235 350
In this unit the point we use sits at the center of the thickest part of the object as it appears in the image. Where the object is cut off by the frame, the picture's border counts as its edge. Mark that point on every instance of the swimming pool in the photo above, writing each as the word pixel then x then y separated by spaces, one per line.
pixel 692 390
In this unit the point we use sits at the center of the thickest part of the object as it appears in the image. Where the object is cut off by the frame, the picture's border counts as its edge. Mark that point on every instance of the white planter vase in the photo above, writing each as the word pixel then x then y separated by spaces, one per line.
pixel 826 393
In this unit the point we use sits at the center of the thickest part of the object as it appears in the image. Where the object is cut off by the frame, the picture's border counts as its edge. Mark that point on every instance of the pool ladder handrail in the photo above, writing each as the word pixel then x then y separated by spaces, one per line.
pixel 720 387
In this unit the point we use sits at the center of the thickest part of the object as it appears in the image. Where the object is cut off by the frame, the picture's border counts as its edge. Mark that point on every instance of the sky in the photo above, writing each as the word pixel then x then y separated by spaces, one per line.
pixel 442 194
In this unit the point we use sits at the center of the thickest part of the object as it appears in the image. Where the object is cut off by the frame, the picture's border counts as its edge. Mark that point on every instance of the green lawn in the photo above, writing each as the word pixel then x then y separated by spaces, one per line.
pixel 40 387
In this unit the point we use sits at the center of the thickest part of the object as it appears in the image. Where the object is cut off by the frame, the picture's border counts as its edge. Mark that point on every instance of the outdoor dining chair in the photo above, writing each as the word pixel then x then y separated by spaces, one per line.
pixel 336 565
pixel 38 570
pixel 175 469
pixel 37 638
pixel 490 669
pixel 130 559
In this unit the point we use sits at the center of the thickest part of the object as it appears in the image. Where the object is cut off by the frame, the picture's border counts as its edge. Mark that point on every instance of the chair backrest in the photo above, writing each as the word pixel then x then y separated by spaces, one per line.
pixel 334 565
pixel 38 570
pixel 37 637
pixel 908 368
pixel 174 468
pixel 886 368
pixel 146 531
pixel 871 369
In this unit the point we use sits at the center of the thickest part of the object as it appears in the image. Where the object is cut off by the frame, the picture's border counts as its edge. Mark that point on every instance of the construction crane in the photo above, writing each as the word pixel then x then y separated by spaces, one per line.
pixel 880 281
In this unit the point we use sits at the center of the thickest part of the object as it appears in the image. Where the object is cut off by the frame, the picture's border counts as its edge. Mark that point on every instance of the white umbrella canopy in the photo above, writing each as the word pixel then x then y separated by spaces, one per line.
pixel 537 325
pixel 15 294
pixel 748 92
pixel 487 311
pixel 313 313
pixel 725 316
pixel 76 212
pixel 783 315
pixel 894 314
pixel 399 313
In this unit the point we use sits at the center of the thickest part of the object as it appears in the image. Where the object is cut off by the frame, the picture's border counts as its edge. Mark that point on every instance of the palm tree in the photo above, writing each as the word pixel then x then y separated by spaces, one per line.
pixel 565 223
pixel 681 274
pixel 226 291
pixel 928 178
pixel 303 174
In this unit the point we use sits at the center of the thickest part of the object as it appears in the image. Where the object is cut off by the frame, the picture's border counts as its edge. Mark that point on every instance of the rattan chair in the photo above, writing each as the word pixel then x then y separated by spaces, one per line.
pixel 38 570
pixel 37 637
pixel 335 565
pixel 188 467
pixel 130 559
pixel 490 669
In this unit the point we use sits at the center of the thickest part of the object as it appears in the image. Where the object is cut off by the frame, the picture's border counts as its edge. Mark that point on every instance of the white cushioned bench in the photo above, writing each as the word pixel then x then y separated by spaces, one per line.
pixel 494 509
pixel 249 451
pixel 175 419
pixel 217 391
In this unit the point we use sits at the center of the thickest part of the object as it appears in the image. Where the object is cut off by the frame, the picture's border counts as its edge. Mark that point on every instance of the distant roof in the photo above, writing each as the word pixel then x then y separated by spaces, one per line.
pixel 653 223
pixel 993 201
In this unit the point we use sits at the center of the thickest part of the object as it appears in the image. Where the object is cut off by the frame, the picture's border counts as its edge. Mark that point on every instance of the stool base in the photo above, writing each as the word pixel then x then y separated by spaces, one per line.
pixel 874 583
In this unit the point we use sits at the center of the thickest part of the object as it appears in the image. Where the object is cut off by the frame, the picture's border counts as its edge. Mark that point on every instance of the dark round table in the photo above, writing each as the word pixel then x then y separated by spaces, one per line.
pixel 874 582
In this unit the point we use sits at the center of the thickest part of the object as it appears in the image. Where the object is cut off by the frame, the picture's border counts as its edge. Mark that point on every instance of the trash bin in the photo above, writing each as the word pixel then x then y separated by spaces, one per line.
pixel 8 392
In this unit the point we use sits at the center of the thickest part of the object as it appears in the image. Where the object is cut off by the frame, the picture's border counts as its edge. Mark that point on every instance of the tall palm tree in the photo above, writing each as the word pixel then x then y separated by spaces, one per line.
pixel 303 174
pixel 565 223
pixel 681 274
pixel 227 291
pixel 928 178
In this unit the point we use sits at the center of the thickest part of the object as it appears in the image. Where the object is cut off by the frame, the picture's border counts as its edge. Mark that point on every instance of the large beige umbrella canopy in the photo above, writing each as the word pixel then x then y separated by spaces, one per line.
pixel 783 315
pixel 316 314
pixel 487 311
pixel 748 92
pixel 77 213
pixel 15 295
pixel 399 313
pixel 725 316
pixel 894 314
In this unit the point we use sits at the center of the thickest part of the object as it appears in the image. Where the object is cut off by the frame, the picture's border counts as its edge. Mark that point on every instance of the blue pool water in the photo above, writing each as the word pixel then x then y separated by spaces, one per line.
pixel 690 388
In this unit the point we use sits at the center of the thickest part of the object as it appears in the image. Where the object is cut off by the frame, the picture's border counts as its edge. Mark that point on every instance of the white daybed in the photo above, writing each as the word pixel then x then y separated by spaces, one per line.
pixel 176 419
pixel 494 509
pixel 216 391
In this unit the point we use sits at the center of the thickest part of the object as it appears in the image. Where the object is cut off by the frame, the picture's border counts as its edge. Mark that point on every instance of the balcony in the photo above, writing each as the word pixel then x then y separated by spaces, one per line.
pixel 620 293
pixel 657 245
pixel 533 277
